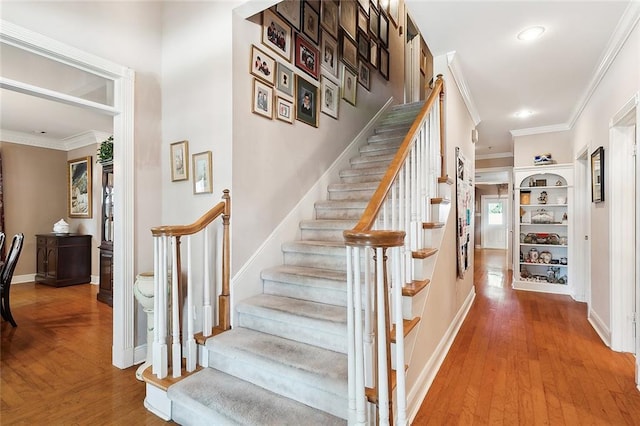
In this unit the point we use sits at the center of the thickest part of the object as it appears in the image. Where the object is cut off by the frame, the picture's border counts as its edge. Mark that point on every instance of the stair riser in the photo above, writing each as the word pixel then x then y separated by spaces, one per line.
pixel 384 151
pixel 351 195
pixel 378 146
pixel 339 213
pixel 322 234
pixel 394 131
pixel 385 138
pixel 337 262
pixel 330 296
pixel 370 162
pixel 363 178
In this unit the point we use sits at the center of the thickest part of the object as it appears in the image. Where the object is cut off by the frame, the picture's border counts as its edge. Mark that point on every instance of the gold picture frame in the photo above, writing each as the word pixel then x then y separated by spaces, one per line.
pixel 79 188
pixel 202 176
pixel 179 161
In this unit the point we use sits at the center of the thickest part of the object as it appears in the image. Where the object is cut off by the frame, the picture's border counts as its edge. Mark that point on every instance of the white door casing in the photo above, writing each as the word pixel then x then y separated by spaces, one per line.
pixel 494 225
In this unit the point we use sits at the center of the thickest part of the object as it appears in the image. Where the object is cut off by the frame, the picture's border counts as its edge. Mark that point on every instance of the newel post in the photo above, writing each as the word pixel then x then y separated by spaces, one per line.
pixel 224 308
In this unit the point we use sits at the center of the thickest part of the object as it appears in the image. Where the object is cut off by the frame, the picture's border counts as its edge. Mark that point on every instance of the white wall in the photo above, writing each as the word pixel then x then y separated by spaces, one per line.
pixel 558 144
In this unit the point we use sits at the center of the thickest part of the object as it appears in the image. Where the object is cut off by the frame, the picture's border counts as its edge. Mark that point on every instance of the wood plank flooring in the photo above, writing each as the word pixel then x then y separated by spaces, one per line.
pixel 528 358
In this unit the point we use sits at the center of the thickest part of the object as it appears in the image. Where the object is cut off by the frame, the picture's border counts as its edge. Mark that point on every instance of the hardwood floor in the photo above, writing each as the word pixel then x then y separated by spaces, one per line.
pixel 529 358
pixel 55 367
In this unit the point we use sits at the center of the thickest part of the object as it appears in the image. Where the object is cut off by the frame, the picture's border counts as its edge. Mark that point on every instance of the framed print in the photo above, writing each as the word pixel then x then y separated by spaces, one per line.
pixel 373 54
pixel 263 66
pixel 348 17
pixel 364 4
pixel 394 12
pixel 284 110
pixel 311 23
pixel 363 20
pixel 364 75
pixel 329 54
pixel 363 45
pixel 384 30
pixel 597 175
pixel 349 85
pixel 179 161
pixel 374 23
pixel 290 10
pixel 329 17
pixel 306 102
pixel 276 34
pixel 202 181
pixel 349 52
pixel 262 103
pixel 284 79
pixel 307 57
pixel 384 63
pixel 330 94
pixel 315 4
pixel 79 182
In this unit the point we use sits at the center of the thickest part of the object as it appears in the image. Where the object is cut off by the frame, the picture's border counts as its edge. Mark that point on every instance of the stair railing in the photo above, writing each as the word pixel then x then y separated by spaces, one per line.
pixel 169 289
pixel 391 226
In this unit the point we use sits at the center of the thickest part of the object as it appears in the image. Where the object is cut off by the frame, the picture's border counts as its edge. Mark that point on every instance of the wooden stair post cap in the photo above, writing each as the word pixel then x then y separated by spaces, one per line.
pixel 372 238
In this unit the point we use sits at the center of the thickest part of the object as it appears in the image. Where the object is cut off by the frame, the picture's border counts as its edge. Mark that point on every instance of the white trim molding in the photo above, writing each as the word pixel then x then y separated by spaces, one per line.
pixel 494 156
pixel 600 327
pixel 552 128
pixel 461 82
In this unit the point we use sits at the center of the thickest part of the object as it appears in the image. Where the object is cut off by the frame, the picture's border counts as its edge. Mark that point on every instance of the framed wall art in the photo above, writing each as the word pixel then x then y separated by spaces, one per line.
pixel 179 161
pixel 348 17
pixel 363 45
pixel 383 34
pixel 364 4
pixel 330 94
pixel 349 52
pixel 284 110
pixel 597 175
pixel 284 79
pixel 363 20
pixel 349 85
pixel 290 10
pixel 329 54
pixel 79 183
pixel 373 53
pixel 262 103
pixel 364 75
pixel 276 34
pixel 311 23
pixel 263 66
pixel 315 4
pixel 384 63
pixel 394 12
pixel 306 102
pixel 329 17
pixel 202 180
pixel 307 57
pixel 374 23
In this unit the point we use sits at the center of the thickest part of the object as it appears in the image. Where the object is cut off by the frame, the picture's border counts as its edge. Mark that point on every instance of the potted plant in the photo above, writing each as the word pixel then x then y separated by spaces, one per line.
pixel 105 151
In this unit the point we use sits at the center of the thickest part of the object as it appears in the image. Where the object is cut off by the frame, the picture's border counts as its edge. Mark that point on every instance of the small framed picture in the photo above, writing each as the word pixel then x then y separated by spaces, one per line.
pixel 349 85
pixel 284 110
pixel 597 175
pixel 315 4
pixel 330 94
pixel 363 20
pixel 373 53
pixel 329 54
pixel 363 45
pixel 384 63
pixel 307 57
pixel 349 52
pixel 349 17
pixel 79 185
pixel 290 10
pixel 179 161
pixel 262 99
pixel 284 79
pixel 263 66
pixel 202 181
pixel 383 35
pixel 394 11
pixel 311 23
pixel 329 17
pixel 364 4
pixel 364 75
pixel 374 23
pixel 276 34
pixel 306 102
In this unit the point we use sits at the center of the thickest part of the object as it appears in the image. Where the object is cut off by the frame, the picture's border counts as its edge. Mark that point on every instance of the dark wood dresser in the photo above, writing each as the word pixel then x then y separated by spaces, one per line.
pixel 63 259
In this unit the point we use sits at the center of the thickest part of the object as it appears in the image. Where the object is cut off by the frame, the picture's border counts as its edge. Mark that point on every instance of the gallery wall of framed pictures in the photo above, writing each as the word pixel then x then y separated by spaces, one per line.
pixel 313 54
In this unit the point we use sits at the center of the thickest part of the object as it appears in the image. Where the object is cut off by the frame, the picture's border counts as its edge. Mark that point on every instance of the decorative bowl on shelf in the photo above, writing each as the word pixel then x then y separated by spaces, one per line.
pixel 61 227
pixel 542 216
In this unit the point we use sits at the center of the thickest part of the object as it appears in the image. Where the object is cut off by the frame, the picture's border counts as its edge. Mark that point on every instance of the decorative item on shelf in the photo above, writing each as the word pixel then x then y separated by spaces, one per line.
pixel 525 197
pixel 559 182
pixel 552 274
pixel 105 151
pixel 521 257
pixel 563 240
pixel 563 260
pixel 522 237
pixel 61 227
pixel 565 220
pixel 541 182
pixel 555 262
pixel 542 216
pixel 542 159
pixel 524 272
pixel 533 255
pixel 545 257
pixel 563 280
pixel 532 182
pixel 542 199
pixel 525 216
pixel 561 200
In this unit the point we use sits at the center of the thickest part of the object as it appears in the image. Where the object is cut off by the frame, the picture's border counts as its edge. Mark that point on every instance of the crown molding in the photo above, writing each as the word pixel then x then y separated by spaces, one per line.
pixel 542 129
pixel 461 82
pixel 90 137
pixel 494 156
pixel 80 140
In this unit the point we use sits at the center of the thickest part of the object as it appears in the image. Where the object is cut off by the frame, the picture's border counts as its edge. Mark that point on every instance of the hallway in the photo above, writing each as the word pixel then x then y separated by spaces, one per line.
pixel 528 358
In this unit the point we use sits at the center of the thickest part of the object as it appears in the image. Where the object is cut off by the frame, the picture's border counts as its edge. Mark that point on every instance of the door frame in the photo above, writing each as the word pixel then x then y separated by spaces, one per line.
pixel 582 228
pixel 483 218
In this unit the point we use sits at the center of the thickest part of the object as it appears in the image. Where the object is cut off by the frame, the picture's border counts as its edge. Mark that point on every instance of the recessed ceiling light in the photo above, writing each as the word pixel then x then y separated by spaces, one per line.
pixel 524 113
pixel 531 33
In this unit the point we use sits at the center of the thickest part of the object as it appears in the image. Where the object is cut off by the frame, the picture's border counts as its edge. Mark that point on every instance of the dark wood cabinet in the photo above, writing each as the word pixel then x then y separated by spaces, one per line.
pixel 105 291
pixel 63 259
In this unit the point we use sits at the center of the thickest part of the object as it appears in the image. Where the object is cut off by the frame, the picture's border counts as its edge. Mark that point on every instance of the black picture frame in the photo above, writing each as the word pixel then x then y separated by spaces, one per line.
pixel 311 23
pixel 363 46
pixel 597 175
pixel 383 34
pixel 383 64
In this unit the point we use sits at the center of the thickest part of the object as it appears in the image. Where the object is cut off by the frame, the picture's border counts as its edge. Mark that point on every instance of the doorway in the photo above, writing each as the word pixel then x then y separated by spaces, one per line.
pixel 581 286
pixel 494 222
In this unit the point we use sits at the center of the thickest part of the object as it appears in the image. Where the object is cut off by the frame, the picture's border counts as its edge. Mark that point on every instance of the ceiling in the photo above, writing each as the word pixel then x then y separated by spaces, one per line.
pixel 501 74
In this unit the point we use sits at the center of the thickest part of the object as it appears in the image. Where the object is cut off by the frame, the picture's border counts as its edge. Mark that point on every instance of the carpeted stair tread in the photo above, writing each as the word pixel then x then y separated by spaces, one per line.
pixel 301 274
pixel 314 246
pixel 340 209
pixel 335 316
pixel 327 224
pixel 365 161
pixel 201 398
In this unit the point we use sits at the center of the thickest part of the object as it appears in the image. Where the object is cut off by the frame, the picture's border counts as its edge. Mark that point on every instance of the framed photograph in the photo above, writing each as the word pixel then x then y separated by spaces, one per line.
pixel 364 75
pixel 276 34
pixel 284 79
pixel 306 102
pixel 290 10
pixel 202 181
pixel 315 4
pixel 330 94
pixel 384 30
pixel 262 99
pixel 311 23
pixel 284 110
pixel 363 20
pixel 373 53
pixel 349 85
pixel 394 12
pixel 384 63
pixel 263 66
pixel 364 4
pixel 348 17
pixel 374 23
pixel 179 161
pixel 363 45
pixel 307 57
pixel 79 183
pixel 329 17
pixel 329 54
pixel 349 52
pixel 597 175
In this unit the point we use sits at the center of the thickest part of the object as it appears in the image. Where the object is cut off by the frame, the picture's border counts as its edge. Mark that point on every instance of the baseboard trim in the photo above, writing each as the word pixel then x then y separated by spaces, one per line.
pixel 21 279
pixel 600 327
pixel 417 394
pixel 140 354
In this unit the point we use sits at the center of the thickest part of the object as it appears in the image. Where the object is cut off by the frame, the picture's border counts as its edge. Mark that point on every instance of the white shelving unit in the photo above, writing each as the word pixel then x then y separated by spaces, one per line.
pixel 543 228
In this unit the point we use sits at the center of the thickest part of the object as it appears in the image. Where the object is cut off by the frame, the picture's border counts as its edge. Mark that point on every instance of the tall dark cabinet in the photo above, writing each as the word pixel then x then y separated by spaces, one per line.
pixel 105 292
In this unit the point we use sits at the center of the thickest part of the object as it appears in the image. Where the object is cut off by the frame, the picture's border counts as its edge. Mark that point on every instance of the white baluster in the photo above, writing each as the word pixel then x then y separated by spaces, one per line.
pixel 401 397
pixel 176 355
pixel 351 351
pixel 207 314
pixel 359 337
pixel 159 288
pixel 191 346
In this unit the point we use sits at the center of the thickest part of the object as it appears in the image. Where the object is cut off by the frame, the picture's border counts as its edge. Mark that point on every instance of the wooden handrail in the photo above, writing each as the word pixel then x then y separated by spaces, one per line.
pixel 223 207
pixel 375 204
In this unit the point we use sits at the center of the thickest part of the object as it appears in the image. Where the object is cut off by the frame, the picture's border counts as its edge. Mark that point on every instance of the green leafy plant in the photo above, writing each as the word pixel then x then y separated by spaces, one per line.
pixel 105 151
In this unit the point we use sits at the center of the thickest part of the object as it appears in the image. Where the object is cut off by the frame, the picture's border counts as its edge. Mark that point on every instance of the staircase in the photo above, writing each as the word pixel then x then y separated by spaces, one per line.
pixel 285 361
